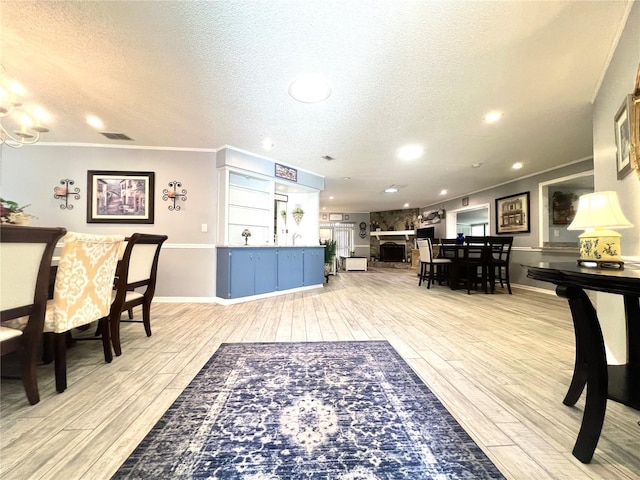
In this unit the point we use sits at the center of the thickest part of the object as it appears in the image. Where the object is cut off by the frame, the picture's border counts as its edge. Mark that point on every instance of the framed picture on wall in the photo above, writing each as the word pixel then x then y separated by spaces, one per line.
pixel 622 132
pixel 512 214
pixel 335 217
pixel 120 197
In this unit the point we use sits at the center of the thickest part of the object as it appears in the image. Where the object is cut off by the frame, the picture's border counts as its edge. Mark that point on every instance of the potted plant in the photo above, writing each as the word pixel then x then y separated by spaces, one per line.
pixel 10 212
pixel 329 255
pixel 297 214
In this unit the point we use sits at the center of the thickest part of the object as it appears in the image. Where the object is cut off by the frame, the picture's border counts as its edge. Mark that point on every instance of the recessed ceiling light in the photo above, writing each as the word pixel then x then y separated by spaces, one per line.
pixel 406 205
pixel 390 190
pixel 443 192
pixel 493 117
pixel 95 122
pixel 517 166
pixel 410 152
pixel 267 144
pixel 346 178
pixel 310 88
pixel 330 198
pixel 476 165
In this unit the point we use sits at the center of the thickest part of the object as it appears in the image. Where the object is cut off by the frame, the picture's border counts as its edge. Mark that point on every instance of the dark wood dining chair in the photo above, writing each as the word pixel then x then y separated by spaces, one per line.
pixel 500 259
pixel 138 269
pixel 476 266
pixel 429 265
pixel 25 263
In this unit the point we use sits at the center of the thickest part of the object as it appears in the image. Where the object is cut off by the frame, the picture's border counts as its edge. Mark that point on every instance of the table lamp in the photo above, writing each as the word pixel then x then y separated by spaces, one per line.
pixel 599 213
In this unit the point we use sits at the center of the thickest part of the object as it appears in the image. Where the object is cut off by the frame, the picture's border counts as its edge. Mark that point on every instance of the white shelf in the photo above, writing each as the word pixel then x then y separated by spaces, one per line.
pixel 397 233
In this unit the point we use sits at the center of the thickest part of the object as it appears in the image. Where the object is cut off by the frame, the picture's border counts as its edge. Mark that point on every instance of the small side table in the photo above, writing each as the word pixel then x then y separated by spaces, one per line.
pixel 354 263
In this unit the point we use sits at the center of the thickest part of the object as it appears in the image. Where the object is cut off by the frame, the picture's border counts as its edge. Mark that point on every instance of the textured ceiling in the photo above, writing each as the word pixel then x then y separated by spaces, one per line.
pixel 206 74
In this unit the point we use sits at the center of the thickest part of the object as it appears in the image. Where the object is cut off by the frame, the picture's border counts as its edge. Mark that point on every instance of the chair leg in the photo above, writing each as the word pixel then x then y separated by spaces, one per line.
pixel 146 317
pixel 30 372
pixel 430 277
pixel 60 354
pixel 131 314
pixel 422 270
pixel 507 278
pixel 106 341
pixel 114 325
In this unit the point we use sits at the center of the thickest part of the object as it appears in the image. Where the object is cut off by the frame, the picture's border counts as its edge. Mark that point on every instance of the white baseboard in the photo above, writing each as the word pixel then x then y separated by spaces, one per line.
pixel 232 301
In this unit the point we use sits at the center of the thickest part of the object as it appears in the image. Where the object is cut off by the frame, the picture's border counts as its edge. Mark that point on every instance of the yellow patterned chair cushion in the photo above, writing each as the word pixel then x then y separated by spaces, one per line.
pixel 84 281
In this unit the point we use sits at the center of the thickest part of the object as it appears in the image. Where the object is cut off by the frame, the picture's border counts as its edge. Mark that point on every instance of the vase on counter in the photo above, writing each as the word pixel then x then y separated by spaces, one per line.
pixel 460 238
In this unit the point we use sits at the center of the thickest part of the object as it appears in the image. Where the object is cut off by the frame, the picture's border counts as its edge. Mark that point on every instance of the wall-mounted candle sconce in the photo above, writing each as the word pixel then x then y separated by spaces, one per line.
pixel 65 192
pixel 172 194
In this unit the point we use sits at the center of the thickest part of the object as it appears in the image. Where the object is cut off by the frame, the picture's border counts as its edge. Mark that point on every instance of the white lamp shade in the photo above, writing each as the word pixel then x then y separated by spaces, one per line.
pixel 599 210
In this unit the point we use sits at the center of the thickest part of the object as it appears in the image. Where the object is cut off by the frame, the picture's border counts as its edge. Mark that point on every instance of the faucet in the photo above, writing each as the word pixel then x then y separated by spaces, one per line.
pixel 293 239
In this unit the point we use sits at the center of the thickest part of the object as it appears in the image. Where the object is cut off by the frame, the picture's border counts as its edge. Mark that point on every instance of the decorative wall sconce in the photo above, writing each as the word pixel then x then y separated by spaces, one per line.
pixel 64 192
pixel 172 194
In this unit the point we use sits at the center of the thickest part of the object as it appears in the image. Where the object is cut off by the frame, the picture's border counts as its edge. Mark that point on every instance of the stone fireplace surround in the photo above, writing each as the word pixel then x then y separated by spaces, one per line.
pixel 393 220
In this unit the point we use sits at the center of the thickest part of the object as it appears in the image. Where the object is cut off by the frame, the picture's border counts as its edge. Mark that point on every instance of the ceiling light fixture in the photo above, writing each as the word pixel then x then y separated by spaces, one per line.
pixel 517 166
pixel 443 192
pixel 95 122
pixel 476 165
pixel 493 117
pixel 310 88
pixel 391 189
pixel 14 114
pixel 406 205
pixel 267 144
pixel 410 152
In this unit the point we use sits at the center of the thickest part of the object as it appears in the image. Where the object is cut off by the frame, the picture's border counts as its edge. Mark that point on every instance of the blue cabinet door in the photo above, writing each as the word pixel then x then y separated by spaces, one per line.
pixel 290 264
pixel 242 272
pixel 313 266
pixel 265 270
pixel 223 273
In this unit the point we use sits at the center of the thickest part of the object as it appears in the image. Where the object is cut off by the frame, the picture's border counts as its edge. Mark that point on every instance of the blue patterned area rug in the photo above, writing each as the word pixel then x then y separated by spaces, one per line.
pixel 326 410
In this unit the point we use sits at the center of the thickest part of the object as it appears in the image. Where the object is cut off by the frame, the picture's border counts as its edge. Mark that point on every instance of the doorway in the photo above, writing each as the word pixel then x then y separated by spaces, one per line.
pixel 469 219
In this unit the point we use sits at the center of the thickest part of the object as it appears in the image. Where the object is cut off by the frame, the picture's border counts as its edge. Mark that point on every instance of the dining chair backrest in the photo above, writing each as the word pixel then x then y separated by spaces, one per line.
pixel 139 264
pixel 84 280
pixel 501 247
pixel 25 265
pixel 449 241
pixel 476 240
pixel 424 247
pixel 25 262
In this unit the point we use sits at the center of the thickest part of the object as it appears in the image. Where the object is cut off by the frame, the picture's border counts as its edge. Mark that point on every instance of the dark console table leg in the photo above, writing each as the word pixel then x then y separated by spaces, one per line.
pixel 590 368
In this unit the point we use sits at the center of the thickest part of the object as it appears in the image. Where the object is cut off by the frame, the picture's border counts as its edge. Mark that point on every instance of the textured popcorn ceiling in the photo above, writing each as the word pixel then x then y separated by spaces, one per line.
pixel 205 74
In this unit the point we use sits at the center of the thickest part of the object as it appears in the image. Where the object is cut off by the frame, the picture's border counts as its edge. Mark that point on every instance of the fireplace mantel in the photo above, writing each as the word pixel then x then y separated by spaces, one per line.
pixel 397 233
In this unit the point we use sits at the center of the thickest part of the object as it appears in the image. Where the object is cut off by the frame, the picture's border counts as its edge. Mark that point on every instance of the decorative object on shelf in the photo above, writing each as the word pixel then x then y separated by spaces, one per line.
pixel 171 194
pixel 120 197
pixel 460 237
pixel 598 213
pixel 246 234
pixel 297 214
pixel 28 126
pixel 10 212
pixel 512 213
pixel 64 193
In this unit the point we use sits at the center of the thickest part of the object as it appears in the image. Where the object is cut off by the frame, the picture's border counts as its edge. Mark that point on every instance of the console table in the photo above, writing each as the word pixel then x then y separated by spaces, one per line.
pixel 616 382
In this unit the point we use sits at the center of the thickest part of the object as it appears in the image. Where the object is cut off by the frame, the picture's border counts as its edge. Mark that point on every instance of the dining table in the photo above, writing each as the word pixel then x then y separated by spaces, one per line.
pixel 464 259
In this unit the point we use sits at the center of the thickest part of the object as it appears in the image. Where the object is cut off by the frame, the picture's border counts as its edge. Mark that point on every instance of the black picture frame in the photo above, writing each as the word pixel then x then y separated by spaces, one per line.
pixel 512 214
pixel 288 173
pixel 623 137
pixel 120 197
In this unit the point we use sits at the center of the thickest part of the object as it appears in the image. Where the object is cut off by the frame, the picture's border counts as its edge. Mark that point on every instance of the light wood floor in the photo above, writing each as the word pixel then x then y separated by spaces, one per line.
pixel 500 363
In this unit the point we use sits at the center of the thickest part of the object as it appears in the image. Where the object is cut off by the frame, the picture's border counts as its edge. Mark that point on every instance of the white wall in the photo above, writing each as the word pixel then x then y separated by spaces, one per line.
pixel 618 82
